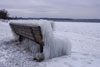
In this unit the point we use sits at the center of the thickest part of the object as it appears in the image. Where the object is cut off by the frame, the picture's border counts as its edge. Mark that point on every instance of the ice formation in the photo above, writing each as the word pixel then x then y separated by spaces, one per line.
pixel 54 44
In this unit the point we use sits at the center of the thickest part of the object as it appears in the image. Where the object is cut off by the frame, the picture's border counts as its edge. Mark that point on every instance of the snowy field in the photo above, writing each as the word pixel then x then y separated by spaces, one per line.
pixel 85 39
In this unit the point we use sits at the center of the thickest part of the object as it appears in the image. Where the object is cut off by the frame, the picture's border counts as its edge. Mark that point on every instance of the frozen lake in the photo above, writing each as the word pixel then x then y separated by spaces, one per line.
pixel 85 39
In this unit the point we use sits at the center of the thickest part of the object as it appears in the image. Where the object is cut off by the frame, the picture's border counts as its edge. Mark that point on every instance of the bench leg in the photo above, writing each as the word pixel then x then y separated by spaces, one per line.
pixel 41 49
pixel 40 56
pixel 20 38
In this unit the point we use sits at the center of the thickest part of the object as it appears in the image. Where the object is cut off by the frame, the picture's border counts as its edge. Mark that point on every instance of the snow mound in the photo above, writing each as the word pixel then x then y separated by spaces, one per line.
pixel 54 44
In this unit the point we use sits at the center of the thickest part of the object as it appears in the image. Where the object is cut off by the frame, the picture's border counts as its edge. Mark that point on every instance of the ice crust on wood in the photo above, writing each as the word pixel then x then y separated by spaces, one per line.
pixel 54 44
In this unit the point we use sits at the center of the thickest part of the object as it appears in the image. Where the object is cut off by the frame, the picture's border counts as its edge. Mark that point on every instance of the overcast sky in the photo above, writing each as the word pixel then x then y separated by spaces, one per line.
pixel 52 8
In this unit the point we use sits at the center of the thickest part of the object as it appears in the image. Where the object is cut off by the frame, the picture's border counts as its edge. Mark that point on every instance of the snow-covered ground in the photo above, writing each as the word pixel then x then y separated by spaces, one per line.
pixel 85 39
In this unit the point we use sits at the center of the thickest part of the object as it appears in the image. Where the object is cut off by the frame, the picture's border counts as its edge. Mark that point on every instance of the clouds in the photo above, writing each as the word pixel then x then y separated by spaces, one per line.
pixel 53 8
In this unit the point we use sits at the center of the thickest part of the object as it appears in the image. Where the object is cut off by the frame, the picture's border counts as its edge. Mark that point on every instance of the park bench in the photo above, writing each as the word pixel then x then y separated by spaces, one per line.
pixel 50 43
pixel 30 32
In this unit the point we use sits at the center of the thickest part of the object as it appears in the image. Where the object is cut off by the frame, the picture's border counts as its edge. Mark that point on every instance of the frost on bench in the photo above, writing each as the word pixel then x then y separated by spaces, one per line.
pixel 32 33
pixel 51 43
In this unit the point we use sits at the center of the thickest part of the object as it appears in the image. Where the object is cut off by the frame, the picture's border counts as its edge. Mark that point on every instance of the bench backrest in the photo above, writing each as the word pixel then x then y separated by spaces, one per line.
pixel 33 33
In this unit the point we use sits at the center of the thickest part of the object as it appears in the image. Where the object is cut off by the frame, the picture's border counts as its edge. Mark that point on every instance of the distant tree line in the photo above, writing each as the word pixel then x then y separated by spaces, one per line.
pixel 4 14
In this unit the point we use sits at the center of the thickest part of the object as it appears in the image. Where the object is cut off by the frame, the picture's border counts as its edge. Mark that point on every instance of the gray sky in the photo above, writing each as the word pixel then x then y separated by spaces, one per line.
pixel 52 8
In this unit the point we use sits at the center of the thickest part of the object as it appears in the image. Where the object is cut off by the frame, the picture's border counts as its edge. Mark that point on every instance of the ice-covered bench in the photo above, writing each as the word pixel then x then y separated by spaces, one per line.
pixel 50 44
pixel 30 32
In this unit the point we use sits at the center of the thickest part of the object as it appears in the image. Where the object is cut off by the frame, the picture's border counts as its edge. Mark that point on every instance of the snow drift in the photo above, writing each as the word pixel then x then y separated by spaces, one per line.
pixel 54 44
